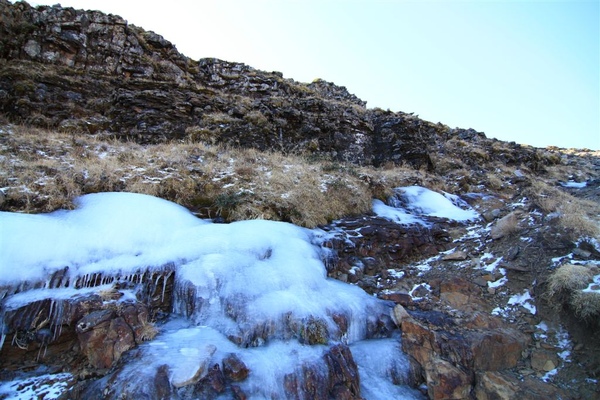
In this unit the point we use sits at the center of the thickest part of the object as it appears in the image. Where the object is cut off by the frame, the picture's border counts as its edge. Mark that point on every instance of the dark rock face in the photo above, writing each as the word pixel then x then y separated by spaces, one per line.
pixel 367 246
pixel 87 72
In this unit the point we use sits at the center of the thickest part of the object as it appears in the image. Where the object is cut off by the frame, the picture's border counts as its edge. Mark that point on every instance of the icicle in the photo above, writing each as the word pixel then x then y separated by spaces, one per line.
pixel 52 303
pixel 2 330
pixel 37 358
pixel 165 278
pixel 57 332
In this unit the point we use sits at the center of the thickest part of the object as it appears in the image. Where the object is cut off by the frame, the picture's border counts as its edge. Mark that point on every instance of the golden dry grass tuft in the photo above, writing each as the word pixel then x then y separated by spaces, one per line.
pixel 579 217
pixel 567 279
pixel 565 287
pixel 586 305
pixel 506 226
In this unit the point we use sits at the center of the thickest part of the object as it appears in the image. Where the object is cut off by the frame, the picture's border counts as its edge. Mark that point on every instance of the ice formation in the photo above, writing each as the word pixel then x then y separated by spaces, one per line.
pixel 255 288
pixel 413 204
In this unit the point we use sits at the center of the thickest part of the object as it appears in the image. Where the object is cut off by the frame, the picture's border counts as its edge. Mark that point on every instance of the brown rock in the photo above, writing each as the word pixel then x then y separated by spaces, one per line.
pixel 238 393
pixel 418 341
pixel 481 320
pixel 543 360
pixel 211 385
pixel 502 386
pixel 445 381
pixel 399 314
pixel 461 294
pixel 397 297
pixel 457 255
pixel 457 284
pixel 234 368
pixel 103 337
pixel 456 299
pixel 497 349
pixel 342 369
pixel 495 386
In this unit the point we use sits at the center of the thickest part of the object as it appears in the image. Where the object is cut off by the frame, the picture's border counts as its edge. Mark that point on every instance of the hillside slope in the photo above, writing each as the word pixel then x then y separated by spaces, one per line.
pixel 506 305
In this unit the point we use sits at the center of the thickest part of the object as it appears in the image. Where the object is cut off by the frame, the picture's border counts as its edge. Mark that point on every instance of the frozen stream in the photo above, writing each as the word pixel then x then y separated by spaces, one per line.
pixel 256 289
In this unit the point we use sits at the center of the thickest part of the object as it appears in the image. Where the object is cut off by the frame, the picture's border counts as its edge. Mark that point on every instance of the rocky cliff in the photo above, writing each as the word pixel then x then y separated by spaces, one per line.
pixel 87 72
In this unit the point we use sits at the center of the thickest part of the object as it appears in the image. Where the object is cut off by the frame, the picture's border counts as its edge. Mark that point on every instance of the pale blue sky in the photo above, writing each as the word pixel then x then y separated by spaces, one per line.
pixel 524 71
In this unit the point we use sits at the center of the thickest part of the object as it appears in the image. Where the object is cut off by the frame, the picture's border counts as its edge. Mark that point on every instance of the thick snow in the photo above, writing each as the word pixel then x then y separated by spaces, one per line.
pixel 266 268
pixel 414 203
pixel 107 232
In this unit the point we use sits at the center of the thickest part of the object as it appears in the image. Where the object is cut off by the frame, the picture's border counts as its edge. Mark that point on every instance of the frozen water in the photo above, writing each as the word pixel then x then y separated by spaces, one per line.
pixel 396 214
pixel 383 358
pixel 108 232
pixel 412 204
pixel 253 283
pixel 45 386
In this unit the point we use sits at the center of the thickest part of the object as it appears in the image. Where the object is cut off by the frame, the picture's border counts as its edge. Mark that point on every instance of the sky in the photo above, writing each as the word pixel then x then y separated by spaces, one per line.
pixel 523 71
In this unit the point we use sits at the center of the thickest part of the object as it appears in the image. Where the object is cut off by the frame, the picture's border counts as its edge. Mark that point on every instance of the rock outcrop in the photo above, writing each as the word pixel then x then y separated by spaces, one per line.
pixel 87 72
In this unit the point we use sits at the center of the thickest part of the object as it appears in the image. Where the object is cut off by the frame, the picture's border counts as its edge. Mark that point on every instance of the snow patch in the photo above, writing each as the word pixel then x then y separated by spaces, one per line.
pixel 414 203
pixel 46 386
pixel 524 300
pixel 396 214
pixel 573 184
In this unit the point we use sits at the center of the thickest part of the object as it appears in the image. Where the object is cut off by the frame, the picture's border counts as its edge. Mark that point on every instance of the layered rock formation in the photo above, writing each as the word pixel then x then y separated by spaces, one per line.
pixel 88 72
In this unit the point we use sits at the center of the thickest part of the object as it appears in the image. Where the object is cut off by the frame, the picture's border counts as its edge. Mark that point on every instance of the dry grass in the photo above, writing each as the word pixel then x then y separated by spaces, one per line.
pixel 568 279
pixel 586 305
pixel 578 216
pixel 495 181
pixel 505 226
pixel 565 287
pixel 42 171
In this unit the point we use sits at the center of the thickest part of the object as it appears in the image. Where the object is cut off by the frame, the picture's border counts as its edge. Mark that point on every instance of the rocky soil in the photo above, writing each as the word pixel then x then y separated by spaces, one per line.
pixel 469 299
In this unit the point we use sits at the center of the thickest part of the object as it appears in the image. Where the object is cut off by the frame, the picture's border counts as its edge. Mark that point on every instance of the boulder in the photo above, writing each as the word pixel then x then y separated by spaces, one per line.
pixel 234 369
pixel 446 381
pixel 494 385
pixel 497 349
pixel 544 360
pixel 103 337
pixel 105 334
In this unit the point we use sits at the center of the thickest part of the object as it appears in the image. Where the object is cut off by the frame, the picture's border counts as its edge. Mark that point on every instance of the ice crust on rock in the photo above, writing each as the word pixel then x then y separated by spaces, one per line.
pixel 259 288
pixel 413 204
